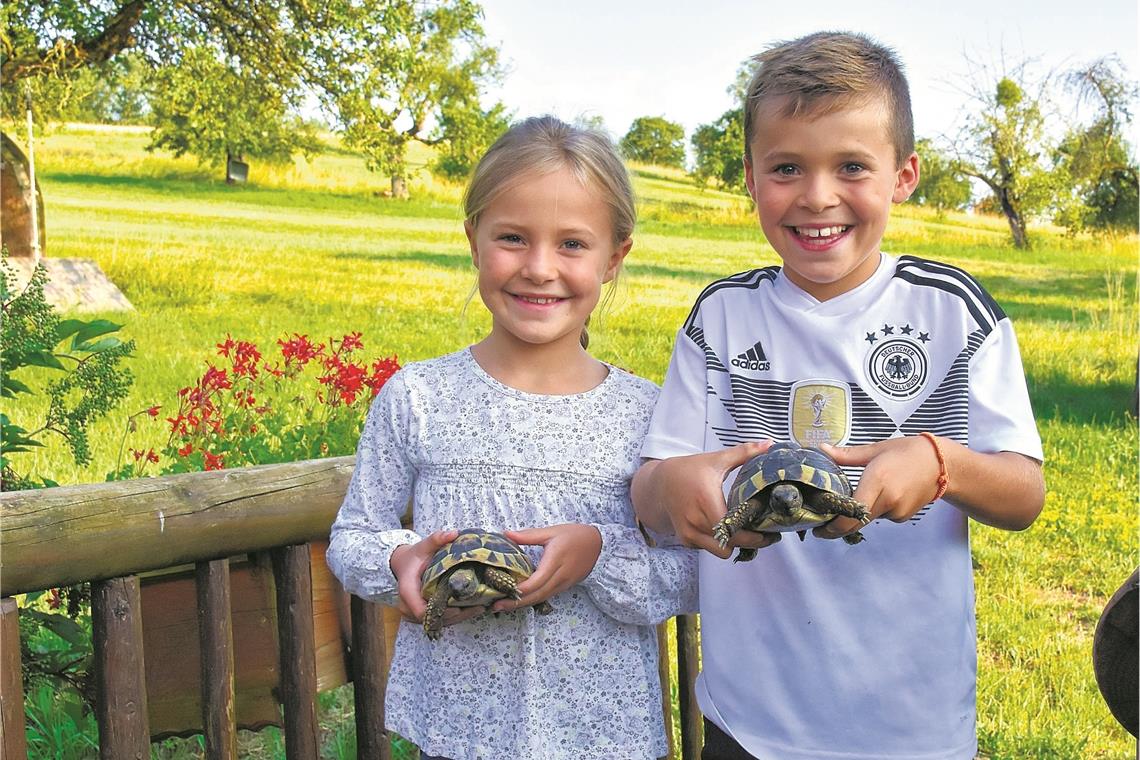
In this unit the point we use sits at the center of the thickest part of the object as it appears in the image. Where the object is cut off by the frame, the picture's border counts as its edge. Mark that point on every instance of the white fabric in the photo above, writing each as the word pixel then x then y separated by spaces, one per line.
pixel 471 452
pixel 820 649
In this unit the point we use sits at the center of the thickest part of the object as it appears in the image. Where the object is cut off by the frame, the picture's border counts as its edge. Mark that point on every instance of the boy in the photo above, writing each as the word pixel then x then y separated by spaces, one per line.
pixel 902 367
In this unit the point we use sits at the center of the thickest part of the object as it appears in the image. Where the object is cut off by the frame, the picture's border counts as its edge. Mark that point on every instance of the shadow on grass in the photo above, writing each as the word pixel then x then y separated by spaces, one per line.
pixel 454 261
pixel 1056 397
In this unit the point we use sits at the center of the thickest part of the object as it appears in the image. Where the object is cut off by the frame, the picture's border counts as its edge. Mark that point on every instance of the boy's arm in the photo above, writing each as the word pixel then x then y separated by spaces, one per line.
pixel 1002 489
pixel 684 496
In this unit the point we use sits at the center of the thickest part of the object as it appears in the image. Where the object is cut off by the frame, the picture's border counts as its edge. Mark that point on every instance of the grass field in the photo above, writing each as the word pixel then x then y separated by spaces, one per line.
pixel 315 248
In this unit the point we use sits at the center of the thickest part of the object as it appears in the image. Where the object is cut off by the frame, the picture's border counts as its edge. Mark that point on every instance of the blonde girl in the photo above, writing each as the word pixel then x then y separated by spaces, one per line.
pixel 524 432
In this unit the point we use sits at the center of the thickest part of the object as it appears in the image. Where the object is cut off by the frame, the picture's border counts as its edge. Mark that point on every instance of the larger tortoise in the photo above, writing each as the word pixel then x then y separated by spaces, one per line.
pixel 475 569
pixel 788 488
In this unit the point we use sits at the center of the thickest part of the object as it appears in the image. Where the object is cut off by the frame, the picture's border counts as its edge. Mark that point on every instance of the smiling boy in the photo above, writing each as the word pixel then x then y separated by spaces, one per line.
pixel 906 371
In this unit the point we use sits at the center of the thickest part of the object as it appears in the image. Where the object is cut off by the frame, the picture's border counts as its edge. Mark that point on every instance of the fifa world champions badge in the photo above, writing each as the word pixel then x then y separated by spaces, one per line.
pixel 897 362
pixel 820 412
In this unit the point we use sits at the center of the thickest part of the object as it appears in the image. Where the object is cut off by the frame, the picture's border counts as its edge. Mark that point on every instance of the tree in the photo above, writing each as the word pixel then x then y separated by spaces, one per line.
pixel 383 71
pixel 1096 156
pixel 719 151
pixel 1005 146
pixel 940 185
pixel 655 140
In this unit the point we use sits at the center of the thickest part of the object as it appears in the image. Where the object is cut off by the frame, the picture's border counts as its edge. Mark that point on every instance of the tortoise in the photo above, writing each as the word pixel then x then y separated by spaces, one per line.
pixel 788 488
pixel 475 569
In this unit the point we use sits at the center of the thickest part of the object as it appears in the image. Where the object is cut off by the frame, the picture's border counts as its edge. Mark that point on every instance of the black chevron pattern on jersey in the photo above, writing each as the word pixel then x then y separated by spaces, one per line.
pixel 946 411
pixel 712 361
pixel 981 305
pixel 759 408
pixel 751 280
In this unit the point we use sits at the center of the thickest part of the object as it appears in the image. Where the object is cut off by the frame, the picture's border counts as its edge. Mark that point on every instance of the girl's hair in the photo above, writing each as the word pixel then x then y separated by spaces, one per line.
pixel 543 144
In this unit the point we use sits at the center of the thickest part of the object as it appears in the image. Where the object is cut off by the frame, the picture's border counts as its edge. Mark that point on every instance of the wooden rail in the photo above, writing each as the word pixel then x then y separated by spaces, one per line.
pixel 109 533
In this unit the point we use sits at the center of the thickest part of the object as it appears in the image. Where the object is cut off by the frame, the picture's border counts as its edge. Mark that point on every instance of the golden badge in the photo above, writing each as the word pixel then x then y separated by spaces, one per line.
pixel 820 412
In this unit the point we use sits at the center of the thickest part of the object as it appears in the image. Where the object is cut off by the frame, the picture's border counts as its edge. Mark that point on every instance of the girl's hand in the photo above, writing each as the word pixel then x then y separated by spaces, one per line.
pixel 570 552
pixel 408 563
pixel 900 478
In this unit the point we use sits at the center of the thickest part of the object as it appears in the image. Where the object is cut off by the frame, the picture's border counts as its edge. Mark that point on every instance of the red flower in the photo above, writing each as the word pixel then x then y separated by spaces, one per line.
pixel 214 379
pixel 351 342
pixel 151 456
pixel 298 351
pixel 213 462
pixel 225 348
pixel 186 450
pixel 246 357
pixel 382 370
pixel 153 411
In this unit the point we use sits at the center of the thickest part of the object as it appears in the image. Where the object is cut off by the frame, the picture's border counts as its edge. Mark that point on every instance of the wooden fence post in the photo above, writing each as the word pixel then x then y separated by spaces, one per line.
pixel 369 679
pixel 120 683
pixel 215 637
pixel 688 663
pixel 298 655
pixel 13 742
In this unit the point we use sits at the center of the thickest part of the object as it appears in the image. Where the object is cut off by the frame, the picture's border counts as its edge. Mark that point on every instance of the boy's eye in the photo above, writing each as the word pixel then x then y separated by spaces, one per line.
pixel 785 170
pixel 853 168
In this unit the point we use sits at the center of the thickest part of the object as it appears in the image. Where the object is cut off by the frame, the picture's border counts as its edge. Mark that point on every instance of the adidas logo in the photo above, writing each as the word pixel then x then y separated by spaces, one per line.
pixel 753 359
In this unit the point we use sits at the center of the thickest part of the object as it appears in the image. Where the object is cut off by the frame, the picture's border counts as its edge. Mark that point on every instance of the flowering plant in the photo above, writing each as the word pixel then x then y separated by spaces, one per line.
pixel 309 401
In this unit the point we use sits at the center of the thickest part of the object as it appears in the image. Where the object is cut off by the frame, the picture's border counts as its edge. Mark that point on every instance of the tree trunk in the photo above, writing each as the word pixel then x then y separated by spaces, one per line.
pixel 1016 221
pixel 399 187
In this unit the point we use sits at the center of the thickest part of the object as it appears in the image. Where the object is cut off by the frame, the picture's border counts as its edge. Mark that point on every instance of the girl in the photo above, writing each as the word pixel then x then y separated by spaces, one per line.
pixel 523 429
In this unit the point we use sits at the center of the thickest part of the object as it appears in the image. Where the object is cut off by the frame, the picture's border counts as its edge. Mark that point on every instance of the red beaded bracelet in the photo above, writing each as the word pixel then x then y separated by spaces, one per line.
pixel 943 478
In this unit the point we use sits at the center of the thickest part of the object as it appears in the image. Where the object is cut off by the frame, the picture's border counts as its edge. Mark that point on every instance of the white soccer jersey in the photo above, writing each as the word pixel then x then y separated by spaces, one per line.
pixel 821 649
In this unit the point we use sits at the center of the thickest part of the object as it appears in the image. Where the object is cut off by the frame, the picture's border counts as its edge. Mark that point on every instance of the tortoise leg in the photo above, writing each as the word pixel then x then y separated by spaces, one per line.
pixel 744 554
pixel 433 617
pixel 543 608
pixel 501 580
pixel 854 538
pixel 737 518
pixel 823 502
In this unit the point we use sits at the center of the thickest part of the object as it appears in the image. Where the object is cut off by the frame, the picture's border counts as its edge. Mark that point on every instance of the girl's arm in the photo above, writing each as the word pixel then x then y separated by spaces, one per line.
pixel 628 580
pixel 367 527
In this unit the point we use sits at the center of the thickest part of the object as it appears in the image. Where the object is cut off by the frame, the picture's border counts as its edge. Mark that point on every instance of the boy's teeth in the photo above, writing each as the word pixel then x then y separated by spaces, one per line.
pixel 816 232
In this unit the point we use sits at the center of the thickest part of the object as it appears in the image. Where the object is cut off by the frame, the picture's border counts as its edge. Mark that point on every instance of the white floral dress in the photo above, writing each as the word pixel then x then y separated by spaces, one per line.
pixel 471 452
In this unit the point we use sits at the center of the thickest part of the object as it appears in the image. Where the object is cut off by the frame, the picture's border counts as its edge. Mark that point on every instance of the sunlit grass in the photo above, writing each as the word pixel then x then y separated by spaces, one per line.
pixel 317 248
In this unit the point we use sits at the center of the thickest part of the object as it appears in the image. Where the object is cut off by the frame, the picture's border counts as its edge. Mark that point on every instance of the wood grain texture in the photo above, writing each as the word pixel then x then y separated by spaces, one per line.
pixel 120 682
pixel 13 741
pixel 215 636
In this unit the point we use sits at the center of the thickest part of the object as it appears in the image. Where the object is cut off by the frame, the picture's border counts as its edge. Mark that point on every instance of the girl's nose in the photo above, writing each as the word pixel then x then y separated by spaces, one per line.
pixel 540 264
pixel 819 194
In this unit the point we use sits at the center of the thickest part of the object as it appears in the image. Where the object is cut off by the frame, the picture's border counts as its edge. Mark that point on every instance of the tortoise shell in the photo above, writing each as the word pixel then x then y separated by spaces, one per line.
pixel 479 547
pixel 789 463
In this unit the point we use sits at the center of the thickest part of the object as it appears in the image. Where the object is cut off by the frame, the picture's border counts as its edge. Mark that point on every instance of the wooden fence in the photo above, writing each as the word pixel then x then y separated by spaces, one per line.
pixel 110 533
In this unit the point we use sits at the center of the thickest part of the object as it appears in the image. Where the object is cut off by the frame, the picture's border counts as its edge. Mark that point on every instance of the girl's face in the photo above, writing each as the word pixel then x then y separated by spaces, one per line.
pixel 543 249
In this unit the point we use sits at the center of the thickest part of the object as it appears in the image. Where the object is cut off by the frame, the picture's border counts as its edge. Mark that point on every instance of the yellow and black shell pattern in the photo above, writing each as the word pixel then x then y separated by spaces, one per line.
pixel 479 547
pixel 787 462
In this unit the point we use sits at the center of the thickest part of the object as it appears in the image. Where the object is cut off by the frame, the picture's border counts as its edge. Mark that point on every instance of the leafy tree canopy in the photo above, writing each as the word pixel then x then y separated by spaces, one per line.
pixel 655 140
pixel 382 72
pixel 940 185
pixel 719 151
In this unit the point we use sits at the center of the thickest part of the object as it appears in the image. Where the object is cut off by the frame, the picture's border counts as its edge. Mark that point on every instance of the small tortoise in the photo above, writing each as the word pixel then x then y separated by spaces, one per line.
pixel 475 569
pixel 788 488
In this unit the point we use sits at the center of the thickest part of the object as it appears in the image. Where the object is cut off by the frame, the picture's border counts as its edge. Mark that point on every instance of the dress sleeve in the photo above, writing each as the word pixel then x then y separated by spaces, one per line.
pixel 367 527
pixel 639 584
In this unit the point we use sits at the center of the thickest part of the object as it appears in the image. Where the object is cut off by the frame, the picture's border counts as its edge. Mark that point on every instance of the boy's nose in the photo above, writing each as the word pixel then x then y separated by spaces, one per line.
pixel 819 194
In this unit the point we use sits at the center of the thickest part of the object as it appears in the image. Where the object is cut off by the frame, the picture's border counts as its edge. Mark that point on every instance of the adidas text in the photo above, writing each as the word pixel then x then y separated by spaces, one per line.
pixel 752 364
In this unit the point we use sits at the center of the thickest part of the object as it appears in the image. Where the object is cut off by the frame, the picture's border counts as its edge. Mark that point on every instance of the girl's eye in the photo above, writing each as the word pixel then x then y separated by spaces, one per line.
pixel 574 245
pixel 511 238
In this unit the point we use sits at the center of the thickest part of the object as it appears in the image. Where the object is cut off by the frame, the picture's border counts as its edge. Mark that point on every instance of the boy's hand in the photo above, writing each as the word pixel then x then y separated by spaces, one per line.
pixel 570 552
pixel 690 490
pixel 408 564
pixel 900 477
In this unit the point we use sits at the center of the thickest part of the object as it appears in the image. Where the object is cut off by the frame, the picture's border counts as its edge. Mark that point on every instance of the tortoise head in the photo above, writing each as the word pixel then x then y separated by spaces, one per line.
pixel 785 498
pixel 463 582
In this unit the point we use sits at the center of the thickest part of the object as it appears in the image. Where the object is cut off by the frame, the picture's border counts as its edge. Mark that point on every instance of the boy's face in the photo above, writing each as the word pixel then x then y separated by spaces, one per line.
pixel 823 187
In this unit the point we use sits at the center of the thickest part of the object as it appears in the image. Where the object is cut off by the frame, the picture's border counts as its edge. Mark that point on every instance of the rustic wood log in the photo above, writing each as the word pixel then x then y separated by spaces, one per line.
pixel 688 663
pixel 215 636
pixel 120 683
pixel 59 536
pixel 665 675
pixel 13 742
pixel 298 656
pixel 369 677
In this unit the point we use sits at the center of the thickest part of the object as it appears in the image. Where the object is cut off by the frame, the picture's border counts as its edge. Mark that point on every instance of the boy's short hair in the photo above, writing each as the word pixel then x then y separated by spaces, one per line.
pixel 826 71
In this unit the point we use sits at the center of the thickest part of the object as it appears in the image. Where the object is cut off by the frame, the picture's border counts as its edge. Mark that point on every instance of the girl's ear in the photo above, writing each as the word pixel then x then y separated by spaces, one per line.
pixel 617 258
pixel 469 229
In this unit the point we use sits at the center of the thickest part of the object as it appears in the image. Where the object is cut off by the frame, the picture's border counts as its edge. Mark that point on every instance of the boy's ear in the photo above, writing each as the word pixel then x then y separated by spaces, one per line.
pixel 907 179
pixel 749 179
pixel 617 258
pixel 469 230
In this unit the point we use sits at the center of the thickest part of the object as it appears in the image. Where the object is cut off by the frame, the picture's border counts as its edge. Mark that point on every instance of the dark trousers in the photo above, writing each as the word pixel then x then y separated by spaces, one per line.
pixel 721 746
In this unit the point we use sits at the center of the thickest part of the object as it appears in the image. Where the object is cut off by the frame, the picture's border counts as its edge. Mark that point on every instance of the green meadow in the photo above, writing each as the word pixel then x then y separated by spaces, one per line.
pixel 316 248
